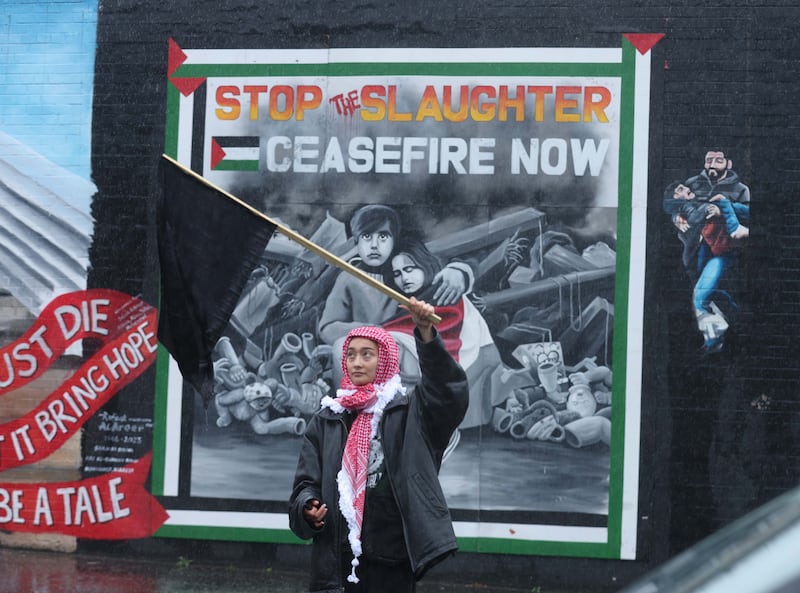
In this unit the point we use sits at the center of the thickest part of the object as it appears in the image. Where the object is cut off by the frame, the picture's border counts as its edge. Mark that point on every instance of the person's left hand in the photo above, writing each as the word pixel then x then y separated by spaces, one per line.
pixel 452 285
pixel 420 315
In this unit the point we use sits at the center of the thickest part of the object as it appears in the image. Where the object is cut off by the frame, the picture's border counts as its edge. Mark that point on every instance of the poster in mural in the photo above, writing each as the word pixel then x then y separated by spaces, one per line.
pixel 506 186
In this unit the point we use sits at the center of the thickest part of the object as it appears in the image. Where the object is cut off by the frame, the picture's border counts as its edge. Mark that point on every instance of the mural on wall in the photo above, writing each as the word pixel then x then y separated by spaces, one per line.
pixel 64 351
pixel 492 184
pixel 45 188
pixel 711 212
pixel 114 504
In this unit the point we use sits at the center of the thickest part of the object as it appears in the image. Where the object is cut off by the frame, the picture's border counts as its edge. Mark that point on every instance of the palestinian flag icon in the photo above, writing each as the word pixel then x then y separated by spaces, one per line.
pixel 234 153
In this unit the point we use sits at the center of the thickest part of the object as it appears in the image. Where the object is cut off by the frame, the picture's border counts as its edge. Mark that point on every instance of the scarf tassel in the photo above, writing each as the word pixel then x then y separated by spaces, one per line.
pixel 352 577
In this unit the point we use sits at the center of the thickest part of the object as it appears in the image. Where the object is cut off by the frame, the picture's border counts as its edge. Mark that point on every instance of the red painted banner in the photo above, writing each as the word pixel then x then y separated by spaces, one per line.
pixel 99 313
pixel 127 329
pixel 115 505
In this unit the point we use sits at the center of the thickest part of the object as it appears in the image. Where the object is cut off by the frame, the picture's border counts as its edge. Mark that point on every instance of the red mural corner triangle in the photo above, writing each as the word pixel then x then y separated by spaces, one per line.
pixel 175 58
pixel 217 153
pixel 644 42
pixel 187 85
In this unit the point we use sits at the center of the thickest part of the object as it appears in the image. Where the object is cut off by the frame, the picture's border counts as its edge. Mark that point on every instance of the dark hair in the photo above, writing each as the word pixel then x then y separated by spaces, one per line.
pixel 415 249
pixel 717 149
pixel 369 219
pixel 669 193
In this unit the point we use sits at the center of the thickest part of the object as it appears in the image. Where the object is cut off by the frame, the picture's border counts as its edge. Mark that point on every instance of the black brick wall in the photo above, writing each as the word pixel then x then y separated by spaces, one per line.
pixel 724 75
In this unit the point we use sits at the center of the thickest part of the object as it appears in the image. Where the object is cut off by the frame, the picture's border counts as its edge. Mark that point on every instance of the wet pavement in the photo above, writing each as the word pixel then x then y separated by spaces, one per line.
pixel 25 571
pixel 96 571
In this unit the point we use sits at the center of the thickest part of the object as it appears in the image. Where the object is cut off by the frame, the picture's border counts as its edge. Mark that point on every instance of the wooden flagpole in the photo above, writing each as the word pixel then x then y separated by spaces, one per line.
pixel 297 238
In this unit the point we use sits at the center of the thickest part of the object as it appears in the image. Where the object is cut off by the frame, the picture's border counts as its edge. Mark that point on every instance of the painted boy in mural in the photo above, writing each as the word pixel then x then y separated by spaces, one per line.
pixel 710 211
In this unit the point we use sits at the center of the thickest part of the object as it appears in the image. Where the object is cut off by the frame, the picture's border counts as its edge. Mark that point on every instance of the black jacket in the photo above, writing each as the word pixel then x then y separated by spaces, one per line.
pixel 730 187
pixel 415 430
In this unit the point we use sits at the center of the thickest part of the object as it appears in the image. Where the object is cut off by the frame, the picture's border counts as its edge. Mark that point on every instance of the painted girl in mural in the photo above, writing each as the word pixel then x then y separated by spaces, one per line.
pixel 464 331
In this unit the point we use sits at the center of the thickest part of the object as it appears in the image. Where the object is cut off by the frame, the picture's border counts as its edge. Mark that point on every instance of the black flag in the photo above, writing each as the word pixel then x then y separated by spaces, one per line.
pixel 208 245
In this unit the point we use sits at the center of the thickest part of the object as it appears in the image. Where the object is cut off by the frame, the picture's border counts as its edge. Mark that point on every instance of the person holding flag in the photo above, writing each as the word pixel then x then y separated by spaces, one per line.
pixel 366 487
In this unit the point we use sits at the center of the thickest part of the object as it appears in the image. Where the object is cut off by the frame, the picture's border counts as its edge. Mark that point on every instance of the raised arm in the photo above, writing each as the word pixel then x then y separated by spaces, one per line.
pixel 443 392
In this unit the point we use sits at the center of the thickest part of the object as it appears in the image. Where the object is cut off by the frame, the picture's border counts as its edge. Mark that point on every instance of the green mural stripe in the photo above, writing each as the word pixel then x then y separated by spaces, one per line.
pixel 621 295
pixel 538 547
pixel 173 112
pixel 242 534
pixel 158 465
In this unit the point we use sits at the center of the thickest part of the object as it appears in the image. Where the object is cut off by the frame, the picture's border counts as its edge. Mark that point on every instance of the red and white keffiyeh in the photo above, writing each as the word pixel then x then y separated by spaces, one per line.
pixel 369 400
